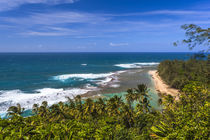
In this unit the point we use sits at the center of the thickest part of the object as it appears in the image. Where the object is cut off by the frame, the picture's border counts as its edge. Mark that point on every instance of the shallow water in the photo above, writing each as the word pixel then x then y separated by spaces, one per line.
pixel 153 96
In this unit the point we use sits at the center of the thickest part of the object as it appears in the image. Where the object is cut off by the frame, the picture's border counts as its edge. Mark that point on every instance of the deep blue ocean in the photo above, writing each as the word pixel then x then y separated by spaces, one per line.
pixel 29 78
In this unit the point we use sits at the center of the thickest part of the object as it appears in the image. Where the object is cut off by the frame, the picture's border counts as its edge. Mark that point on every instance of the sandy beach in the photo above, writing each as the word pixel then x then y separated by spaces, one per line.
pixel 160 85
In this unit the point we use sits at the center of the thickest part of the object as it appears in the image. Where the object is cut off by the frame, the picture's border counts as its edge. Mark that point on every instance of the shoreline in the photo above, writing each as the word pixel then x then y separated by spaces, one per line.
pixel 161 86
pixel 123 81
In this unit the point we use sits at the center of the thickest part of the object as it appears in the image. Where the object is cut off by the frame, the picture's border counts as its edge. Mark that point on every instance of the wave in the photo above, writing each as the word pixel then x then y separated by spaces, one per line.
pixel 101 79
pixel 106 81
pixel 51 95
pixel 81 76
pixel 136 65
pixel 111 79
pixel 12 97
pixel 84 64
pixel 115 85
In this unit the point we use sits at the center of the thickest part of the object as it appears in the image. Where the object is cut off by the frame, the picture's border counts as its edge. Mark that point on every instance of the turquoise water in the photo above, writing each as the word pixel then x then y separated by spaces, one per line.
pixel 153 96
pixel 29 78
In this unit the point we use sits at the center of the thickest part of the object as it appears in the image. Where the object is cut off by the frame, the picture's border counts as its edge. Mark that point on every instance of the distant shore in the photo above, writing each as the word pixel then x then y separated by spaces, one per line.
pixel 160 85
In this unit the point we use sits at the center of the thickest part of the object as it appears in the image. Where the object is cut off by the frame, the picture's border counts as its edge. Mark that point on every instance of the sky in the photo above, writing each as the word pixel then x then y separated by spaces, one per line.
pixel 98 25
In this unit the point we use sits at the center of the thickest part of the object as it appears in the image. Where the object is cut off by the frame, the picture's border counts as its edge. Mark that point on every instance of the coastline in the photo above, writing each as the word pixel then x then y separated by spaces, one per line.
pixel 161 86
pixel 121 82
pixel 115 84
pixel 128 79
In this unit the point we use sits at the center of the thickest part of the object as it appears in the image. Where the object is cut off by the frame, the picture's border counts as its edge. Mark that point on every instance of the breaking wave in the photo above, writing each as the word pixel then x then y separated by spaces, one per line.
pixel 136 65
pixel 52 95
pixel 12 97
pixel 81 76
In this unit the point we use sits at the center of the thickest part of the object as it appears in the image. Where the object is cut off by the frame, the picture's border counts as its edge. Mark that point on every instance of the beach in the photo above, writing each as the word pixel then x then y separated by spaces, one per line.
pixel 161 86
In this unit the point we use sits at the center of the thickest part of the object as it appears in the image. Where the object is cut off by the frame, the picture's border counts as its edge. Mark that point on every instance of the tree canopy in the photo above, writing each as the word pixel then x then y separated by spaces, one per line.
pixel 196 36
pixel 114 118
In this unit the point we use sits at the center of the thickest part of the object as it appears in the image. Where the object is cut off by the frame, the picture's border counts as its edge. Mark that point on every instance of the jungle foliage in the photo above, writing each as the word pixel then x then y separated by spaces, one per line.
pixel 112 118
pixel 178 73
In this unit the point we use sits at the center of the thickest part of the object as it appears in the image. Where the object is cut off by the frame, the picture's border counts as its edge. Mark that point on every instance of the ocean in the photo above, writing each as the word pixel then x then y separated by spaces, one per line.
pixel 29 78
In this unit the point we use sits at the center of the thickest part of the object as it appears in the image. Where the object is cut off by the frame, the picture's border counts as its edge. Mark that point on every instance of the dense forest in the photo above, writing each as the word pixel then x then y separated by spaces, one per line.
pixel 178 73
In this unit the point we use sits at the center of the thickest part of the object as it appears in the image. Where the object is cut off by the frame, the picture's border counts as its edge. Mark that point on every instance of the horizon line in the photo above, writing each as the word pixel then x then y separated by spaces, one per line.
pixel 102 52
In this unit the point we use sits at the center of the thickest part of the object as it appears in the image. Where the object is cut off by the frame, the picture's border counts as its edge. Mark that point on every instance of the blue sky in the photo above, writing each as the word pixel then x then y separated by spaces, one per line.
pixel 98 25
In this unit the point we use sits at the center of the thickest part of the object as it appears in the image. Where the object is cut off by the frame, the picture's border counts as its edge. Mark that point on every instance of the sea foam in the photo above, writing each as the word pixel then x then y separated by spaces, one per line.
pixel 12 97
pixel 136 65
pixel 101 79
pixel 52 95
pixel 82 76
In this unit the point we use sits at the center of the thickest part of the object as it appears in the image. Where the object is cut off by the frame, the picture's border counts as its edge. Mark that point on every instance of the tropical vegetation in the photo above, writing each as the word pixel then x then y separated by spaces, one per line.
pixel 178 73
pixel 187 118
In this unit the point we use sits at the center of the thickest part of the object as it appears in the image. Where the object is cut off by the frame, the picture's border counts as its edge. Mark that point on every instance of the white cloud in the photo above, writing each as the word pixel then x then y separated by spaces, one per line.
pixel 10 4
pixel 91 25
pixel 118 44
pixel 66 17
pixel 165 12
pixel 51 31
pixel 32 33
pixel 57 18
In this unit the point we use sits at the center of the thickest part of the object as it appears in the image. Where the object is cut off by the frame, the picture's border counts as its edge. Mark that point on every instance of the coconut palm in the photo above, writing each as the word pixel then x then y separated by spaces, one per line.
pixel 15 110
pixel 78 100
pixel 70 102
pixel 43 109
pixel 79 107
pixel 141 91
pixel 142 96
pixel 130 96
pixel 88 107
pixel 113 105
pixel 35 109
pixel 127 116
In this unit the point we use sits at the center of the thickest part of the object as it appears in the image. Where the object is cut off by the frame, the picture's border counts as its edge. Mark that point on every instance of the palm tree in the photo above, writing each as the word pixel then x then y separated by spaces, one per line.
pixel 146 105
pixel 142 88
pixel 15 110
pixel 79 106
pixel 70 102
pixel 141 91
pixel 43 110
pixel 35 109
pixel 130 98
pixel 44 104
pixel 59 112
pixel 127 116
pixel 139 108
pixel 88 106
pixel 142 96
pixel 78 100
pixel 113 105
pixel 100 107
